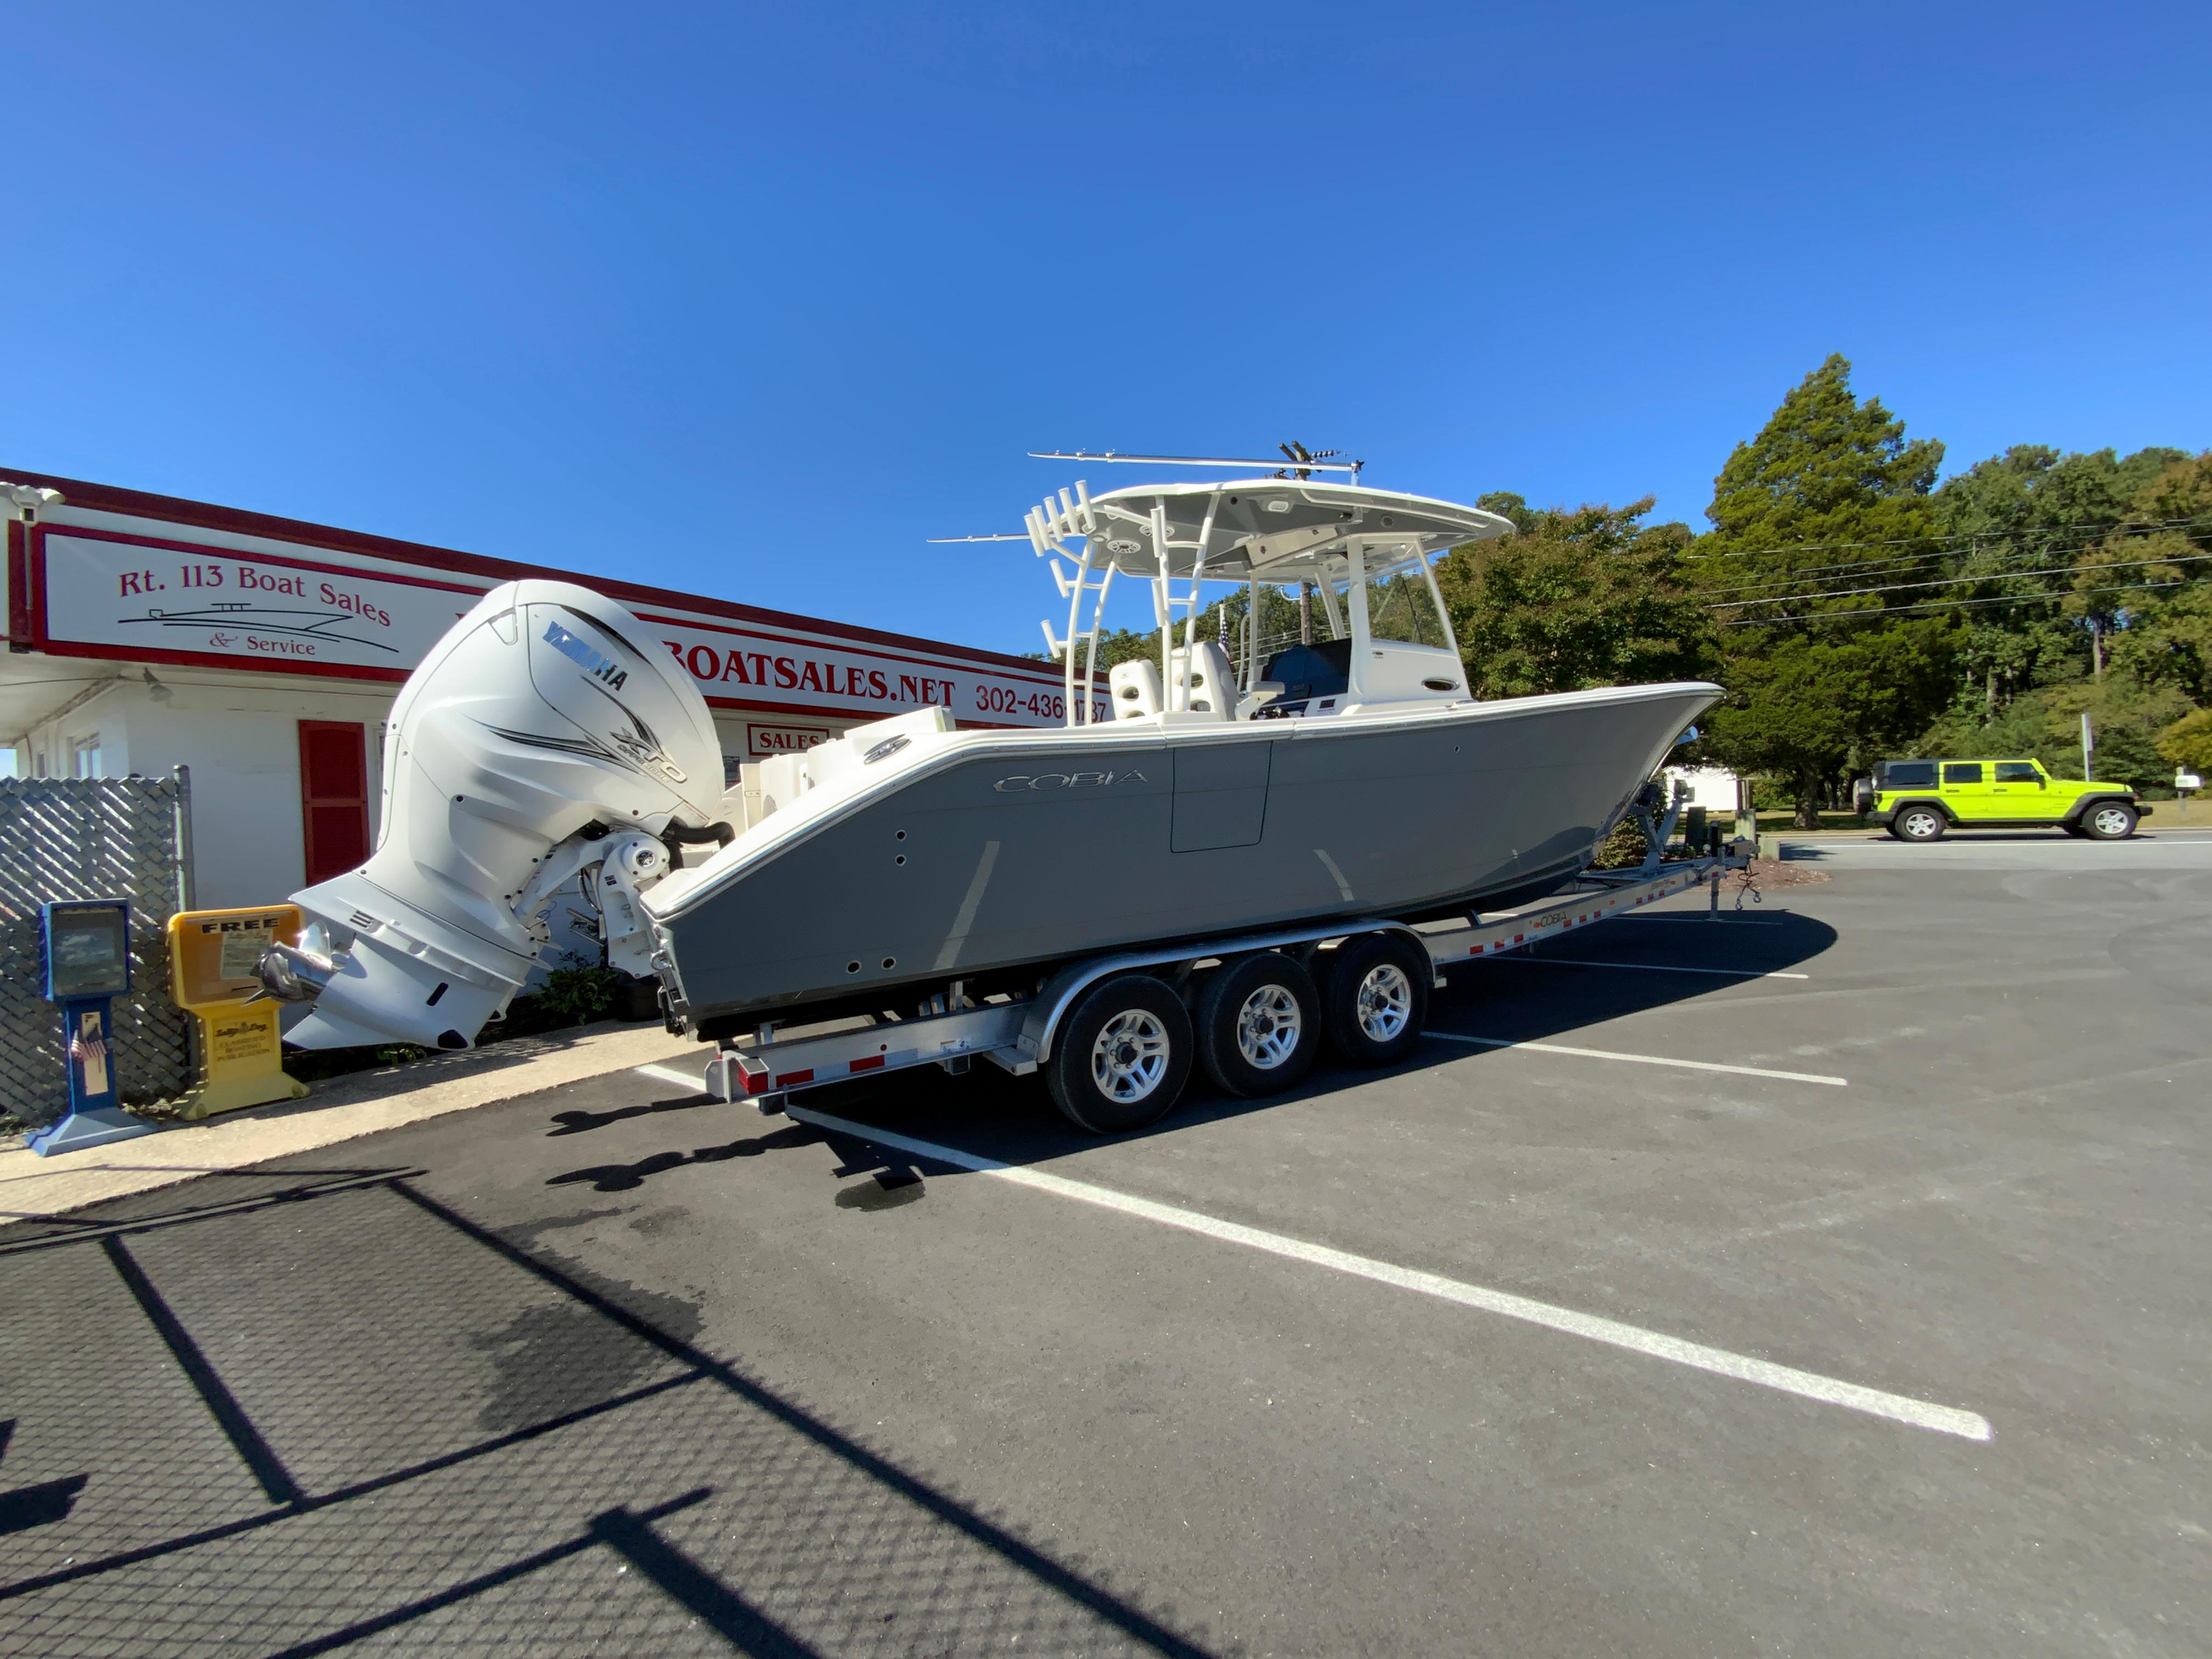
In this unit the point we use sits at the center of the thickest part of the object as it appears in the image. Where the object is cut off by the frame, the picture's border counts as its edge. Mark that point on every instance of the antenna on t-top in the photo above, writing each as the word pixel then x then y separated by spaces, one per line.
pixel 1304 461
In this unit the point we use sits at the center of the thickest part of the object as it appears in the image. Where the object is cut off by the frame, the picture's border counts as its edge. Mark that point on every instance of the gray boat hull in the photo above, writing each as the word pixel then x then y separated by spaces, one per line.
pixel 1034 848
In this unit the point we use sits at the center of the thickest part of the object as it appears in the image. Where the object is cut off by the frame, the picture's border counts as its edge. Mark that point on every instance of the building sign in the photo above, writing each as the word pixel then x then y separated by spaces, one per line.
pixel 763 741
pixel 258 611
pixel 100 584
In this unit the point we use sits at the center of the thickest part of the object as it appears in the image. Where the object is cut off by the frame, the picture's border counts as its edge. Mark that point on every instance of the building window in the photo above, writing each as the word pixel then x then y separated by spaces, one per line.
pixel 84 757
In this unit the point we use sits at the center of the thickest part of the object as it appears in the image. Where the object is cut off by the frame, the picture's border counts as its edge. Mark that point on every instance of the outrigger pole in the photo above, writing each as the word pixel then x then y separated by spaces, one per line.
pixel 1300 461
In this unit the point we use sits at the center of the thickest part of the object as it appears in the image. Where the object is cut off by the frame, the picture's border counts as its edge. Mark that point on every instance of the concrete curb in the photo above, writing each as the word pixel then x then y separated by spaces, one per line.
pixel 33 1188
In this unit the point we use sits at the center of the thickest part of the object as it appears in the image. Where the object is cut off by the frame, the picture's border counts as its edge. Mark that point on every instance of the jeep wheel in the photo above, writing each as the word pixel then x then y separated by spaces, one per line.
pixel 1918 823
pixel 2109 820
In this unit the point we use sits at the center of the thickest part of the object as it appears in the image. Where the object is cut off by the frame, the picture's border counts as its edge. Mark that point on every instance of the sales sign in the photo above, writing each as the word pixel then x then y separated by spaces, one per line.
pixel 162 593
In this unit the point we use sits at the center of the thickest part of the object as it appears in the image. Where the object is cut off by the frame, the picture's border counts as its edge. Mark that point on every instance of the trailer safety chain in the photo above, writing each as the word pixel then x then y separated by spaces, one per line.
pixel 1749 885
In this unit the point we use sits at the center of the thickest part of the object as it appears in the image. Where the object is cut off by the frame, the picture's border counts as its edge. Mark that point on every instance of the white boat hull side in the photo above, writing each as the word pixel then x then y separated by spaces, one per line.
pixel 1033 847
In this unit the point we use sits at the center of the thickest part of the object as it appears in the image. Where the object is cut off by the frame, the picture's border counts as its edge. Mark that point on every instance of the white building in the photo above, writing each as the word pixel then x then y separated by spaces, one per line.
pixel 146 632
pixel 1713 787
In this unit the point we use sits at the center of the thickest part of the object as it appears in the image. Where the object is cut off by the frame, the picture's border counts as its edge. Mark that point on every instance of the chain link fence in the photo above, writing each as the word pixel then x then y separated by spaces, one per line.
pixel 93 838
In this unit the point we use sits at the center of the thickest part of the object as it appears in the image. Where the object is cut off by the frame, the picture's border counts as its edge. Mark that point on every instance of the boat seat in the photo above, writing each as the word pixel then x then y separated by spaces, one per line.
pixel 1212 683
pixel 1134 688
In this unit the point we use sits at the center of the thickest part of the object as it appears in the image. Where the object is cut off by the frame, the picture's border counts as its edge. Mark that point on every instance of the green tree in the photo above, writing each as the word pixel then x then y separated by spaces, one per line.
pixel 1811 519
pixel 2023 531
pixel 1830 483
pixel 1588 597
pixel 1813 707
pixel 2187 744
pixel 1120 644
pixel 2165 637
pixel 2016 523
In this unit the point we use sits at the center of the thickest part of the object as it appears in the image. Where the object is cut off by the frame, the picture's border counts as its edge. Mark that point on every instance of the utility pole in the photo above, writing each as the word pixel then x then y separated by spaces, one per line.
pixel 2088 748
pixel 1306 613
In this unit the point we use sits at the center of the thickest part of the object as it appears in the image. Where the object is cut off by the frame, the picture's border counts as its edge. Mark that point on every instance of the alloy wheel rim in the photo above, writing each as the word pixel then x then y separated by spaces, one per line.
pixel 2112 822
pixel 1386 1002
pixel 1130 1055
pixel 1920 823
pixel 1268 1026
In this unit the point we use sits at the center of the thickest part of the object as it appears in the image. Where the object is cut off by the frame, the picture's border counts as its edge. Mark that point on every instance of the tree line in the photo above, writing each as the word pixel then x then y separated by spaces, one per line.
pixel 1857 610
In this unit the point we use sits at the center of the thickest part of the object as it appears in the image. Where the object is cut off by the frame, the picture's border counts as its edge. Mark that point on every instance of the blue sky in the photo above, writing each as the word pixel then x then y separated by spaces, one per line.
pixel 749 301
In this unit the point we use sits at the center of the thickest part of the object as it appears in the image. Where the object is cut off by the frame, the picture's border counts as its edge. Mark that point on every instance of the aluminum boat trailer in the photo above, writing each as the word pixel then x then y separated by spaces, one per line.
pixel 1117 1035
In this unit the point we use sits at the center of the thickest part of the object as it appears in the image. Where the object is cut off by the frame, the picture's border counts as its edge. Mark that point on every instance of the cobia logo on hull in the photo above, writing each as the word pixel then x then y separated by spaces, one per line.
pixel 1024 782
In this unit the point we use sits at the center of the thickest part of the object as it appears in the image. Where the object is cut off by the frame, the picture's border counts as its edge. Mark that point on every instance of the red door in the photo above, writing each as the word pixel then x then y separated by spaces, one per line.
pixel 333 796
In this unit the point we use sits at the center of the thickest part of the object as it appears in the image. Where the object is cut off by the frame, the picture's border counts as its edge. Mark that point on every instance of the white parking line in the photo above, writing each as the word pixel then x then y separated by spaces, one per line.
pixel 1656 1345
pixel 1654 967
pixel 1645 1060
pixel 698 1085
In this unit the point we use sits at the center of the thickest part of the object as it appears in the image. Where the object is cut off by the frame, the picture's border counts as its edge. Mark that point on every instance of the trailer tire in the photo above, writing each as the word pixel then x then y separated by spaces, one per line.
pixel 1121 1056
pixel 1259 1024
pixel 1374 1000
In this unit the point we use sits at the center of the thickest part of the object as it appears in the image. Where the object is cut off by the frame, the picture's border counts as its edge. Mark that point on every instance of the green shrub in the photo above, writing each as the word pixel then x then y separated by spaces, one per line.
pixel 1623 850
pixel 576 996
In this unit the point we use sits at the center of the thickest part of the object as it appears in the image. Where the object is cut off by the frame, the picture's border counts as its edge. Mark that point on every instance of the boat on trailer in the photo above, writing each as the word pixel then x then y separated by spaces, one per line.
pixel 1230 856
pixel 1228 784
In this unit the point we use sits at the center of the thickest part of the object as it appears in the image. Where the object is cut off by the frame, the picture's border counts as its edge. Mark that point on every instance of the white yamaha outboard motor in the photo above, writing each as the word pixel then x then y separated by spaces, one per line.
pixel 540 739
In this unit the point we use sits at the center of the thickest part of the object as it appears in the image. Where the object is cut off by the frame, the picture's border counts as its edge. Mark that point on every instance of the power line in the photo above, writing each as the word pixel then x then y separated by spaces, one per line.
pixel 1878 567
pixel 1955 581
pixel 1878 612
pixel 1947 536
pixel 2052 542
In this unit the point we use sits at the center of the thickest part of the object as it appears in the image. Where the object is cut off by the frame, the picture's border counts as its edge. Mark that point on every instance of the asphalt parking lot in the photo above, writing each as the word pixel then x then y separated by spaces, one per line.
pixel 1845 1295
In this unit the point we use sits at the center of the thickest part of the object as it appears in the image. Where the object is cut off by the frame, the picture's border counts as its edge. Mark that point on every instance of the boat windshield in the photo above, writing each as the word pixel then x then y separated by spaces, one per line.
pixel 1401 605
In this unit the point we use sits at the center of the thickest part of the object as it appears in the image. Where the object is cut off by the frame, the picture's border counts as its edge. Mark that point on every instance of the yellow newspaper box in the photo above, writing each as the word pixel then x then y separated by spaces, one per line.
pixel 211 957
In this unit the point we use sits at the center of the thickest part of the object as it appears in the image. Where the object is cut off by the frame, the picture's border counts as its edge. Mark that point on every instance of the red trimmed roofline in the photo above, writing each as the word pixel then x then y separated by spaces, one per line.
pixel 205 515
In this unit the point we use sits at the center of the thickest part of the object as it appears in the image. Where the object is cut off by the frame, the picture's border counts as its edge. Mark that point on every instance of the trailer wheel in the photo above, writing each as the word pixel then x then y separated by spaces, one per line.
pixel 1259 1024
pixel 1121 1056
pixel 1375 999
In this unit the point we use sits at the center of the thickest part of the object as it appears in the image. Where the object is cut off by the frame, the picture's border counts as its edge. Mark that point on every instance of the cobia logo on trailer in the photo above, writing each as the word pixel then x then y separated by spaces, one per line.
pixel 608 672
pixel 1022 781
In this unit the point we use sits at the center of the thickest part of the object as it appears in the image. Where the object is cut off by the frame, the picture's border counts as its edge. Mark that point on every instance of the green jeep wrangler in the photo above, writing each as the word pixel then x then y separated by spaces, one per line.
pixel 1919 799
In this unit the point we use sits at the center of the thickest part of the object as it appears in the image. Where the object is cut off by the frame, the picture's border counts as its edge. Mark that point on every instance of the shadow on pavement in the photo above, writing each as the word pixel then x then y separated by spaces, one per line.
pixel 260 1420
pixel 1605 972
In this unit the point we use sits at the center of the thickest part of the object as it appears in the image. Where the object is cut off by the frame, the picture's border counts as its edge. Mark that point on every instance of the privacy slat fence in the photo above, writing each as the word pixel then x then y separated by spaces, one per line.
pixel 86 838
